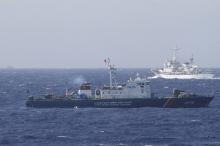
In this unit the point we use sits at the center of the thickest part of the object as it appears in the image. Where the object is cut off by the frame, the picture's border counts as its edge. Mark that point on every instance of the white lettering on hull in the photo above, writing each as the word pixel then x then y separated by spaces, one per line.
pixel 112 103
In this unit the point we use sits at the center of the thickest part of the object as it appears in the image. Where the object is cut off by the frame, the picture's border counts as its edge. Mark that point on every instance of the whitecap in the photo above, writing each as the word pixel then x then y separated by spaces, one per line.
pixel 195 120
pixel 3 92
pixel 64 136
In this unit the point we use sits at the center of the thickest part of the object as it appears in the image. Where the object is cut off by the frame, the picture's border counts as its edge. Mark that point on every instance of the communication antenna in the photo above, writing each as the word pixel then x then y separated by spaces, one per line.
pixel 174 53
pixel 112 72
pixel 28 90
pixel 192 59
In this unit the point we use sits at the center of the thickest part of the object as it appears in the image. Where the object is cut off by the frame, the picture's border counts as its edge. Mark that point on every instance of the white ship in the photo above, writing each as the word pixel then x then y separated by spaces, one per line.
pixel 173 69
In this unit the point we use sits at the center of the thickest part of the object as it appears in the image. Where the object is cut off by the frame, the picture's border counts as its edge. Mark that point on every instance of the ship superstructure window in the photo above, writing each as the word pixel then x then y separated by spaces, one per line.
pixel 131 87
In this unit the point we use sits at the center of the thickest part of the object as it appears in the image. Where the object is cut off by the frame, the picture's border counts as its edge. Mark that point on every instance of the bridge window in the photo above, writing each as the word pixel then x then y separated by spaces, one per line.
pixel 131 87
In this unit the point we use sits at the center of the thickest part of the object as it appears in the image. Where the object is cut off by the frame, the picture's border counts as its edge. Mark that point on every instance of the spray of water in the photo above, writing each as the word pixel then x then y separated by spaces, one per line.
pixel 79 80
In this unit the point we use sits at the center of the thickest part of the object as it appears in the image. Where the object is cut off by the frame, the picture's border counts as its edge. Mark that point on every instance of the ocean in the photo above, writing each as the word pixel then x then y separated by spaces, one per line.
pixel 22 126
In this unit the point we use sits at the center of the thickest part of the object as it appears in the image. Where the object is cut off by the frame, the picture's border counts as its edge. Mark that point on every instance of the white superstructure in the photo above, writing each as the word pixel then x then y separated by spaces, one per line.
pixel 173 69
pixel 133 88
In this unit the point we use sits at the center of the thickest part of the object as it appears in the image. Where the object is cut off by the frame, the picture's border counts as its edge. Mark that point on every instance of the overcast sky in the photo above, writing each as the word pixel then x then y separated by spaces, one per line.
pixel 82 33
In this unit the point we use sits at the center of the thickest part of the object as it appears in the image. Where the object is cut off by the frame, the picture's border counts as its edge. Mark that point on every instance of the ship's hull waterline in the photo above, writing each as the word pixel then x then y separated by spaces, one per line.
pixel 172 102
pixel 196 76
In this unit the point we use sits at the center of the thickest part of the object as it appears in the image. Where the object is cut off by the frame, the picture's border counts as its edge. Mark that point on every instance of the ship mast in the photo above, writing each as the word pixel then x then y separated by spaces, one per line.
pixel 174 54
pixel 111 69
pixel 192 59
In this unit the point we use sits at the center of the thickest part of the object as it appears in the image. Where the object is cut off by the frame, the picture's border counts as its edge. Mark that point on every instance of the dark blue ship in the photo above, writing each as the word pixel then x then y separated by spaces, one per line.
pixel 133 94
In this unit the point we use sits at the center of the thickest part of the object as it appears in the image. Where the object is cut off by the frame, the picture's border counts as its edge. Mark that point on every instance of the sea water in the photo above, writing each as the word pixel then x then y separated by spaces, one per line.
pixel 22 126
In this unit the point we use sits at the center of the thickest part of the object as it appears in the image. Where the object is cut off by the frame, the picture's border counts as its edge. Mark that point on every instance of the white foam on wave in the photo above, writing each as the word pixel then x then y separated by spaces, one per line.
pixel 63 136
pixel 3 92
pixel 195 120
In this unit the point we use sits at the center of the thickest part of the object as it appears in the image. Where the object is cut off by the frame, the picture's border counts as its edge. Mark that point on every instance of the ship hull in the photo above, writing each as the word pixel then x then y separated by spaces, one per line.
pixel 171 102
pixel 196 76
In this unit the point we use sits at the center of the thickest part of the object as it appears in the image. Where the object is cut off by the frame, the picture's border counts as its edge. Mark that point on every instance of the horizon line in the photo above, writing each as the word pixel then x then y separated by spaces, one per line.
pixel 14 68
